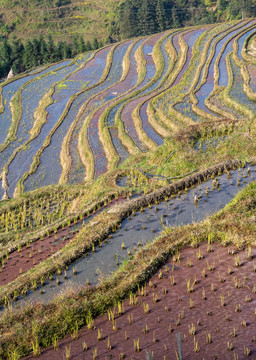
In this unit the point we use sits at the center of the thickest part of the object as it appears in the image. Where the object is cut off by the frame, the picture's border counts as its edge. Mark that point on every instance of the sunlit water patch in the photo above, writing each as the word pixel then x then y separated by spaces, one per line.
pixel 8 92
pixel 237 91
pixel 132 80
pixel 242 39
pixel 185 108
pixel 207 88
pixel 31 96
pixel 23 160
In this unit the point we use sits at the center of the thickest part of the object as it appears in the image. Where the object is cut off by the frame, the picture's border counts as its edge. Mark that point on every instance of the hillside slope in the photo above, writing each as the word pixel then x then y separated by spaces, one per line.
pixel 75 121
pixel 106 157
pixel 63 18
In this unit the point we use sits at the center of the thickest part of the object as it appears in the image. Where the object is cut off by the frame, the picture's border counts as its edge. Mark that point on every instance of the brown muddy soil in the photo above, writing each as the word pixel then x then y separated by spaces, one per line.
pixel 125 208
pixel 31 255
pixel 220 301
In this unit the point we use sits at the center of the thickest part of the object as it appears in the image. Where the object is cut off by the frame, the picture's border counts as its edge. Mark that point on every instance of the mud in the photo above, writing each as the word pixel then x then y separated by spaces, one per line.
pixel 172 311
pixel 138 229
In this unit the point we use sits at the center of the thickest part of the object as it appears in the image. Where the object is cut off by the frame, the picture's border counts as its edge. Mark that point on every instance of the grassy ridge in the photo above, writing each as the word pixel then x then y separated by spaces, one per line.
pixel 40 116
pixel 97 230
pixel 217 89
pixel 184 141
pixel 194 100
pixel 59 320
pixel 90 19
pixel 226 94
pixel 243 69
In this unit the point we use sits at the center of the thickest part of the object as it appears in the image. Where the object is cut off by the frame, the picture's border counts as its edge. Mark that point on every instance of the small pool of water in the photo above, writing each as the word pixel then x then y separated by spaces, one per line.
pixel 122 181
pixel 209 143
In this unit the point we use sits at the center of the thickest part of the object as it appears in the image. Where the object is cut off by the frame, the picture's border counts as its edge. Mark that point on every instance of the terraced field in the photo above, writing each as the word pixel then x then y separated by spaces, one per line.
pixel 77 120
pixel 112 162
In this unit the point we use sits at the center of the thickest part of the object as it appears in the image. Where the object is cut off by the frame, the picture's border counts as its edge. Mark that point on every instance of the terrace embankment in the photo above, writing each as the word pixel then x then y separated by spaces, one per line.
pixel 105 223
pixel 237 218
pixel 162 83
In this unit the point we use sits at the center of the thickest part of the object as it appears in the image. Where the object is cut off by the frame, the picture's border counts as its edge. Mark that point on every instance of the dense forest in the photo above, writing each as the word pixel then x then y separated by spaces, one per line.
pixel 144 17
pixel 37 52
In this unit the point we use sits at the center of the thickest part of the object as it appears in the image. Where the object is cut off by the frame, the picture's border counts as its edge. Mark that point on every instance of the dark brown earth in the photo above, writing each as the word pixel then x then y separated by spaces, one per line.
pixel 171 314
pixel 31 255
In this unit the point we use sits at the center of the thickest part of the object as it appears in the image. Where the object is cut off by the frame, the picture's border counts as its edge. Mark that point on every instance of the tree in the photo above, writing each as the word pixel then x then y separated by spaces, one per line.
pixel 147 18
pixel 5 52
pixel 36 50
pixel 175 18
pixel 160 16
pixel 95 44
pixel 43 56
pixel 81 45
pixel 29 59
pixel 221 5
pixel 128 20
pixel 17 54
pixel 50 48
pixel 88 46
pixel 5 58
pixel 74 46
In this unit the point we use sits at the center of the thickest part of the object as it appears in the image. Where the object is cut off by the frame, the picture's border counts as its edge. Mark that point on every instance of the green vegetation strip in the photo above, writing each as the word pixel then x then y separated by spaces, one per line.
pixel 112 156
pixel 40 114
pixel 243 69
pixel 193 98
pixel 191 74
pixel 218 89
pixel 62 316
pixel 226 93
pixel 11 240
pixel 99 228
pixel 36 161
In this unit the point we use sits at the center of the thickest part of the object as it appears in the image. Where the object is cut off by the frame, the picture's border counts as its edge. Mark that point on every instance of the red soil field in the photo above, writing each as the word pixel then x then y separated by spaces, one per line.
pixel 30 256
pixel 220 308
